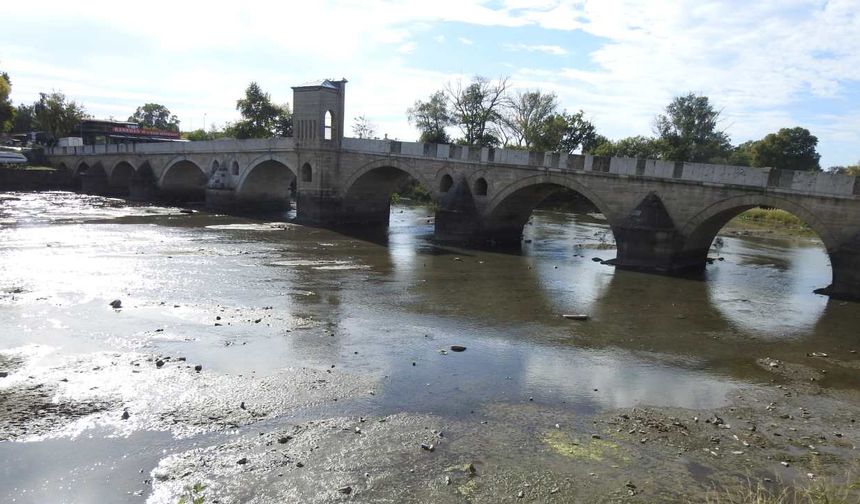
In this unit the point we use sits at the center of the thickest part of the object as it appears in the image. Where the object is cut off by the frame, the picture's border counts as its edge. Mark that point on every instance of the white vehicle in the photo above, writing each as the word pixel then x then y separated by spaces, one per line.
pixel 11 157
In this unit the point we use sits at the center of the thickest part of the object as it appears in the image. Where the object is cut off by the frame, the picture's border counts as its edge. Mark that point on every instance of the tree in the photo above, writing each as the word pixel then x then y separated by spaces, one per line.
pixel 633 147
pixel 362 128
pixel 283 121
pixel 579 133
pixel 156 116
pixel 56 116
pixel 24 119
pixel 260 117
pixel 7 111
pixel 528 118
pixel 476 109
pixel 787 149
pixel 688 131
pixel 742 154
pixel 431 118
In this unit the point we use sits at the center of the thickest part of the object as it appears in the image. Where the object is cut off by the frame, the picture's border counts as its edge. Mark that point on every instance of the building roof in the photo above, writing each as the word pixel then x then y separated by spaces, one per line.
pixel 325 83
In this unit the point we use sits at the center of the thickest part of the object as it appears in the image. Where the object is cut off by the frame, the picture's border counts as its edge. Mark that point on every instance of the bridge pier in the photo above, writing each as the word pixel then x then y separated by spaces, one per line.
pixel 845 264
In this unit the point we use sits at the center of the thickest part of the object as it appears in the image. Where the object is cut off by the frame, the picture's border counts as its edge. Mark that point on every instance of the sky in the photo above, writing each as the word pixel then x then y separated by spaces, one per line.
pixel 765 65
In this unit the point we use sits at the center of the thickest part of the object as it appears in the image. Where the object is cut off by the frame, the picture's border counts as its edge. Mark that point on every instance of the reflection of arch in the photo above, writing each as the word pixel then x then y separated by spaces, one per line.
pixel 268 180
pixel 445 183
pixel 62 167
pixel 480 187
pixel 704 226
pixel 307 173
pixel 183 179
pixel 120 177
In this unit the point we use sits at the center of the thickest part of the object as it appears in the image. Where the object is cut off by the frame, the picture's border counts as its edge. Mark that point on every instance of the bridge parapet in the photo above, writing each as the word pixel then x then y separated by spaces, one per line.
pixel 811 183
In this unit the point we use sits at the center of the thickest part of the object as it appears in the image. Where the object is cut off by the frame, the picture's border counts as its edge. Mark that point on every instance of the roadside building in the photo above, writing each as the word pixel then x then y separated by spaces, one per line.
pixel 102 132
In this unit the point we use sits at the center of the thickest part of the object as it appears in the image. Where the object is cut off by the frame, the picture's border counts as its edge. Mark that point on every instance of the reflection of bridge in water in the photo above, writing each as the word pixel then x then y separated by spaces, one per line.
pixel 664 215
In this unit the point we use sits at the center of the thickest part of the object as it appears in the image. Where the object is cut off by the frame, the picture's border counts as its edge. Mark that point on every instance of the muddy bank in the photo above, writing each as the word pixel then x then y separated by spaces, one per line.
pixel 129 392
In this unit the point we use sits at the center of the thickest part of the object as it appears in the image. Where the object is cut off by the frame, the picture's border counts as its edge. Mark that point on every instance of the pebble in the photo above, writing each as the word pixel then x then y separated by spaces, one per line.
pixel 428 447
pixel 125 415
pixel 159 363
pixel 345 490
pixel 284 439
pixel 198 368
pixel 520 494
pixel 242 461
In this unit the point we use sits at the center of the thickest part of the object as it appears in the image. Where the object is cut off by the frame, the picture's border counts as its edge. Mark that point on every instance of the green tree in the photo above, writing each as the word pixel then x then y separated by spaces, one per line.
pixel 156 116
pixel 742 155
pixel 787 149
pixel 632 147
pixel 57 116
pixel 431 117
pixel 24 119
pixel 579 133
pixel 476 109
pixel 260 117
pixel 7 111
pixel 529 120
pixel 688 131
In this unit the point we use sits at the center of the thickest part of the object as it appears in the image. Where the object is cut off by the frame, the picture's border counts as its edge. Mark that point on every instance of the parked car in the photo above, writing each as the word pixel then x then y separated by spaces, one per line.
pixel 11 155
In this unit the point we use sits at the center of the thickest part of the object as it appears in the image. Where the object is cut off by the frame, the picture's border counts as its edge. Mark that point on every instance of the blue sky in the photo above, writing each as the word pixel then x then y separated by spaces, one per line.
pixel 765 65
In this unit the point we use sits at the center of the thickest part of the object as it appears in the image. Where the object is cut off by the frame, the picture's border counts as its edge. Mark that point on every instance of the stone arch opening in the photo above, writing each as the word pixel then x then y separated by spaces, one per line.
pixel 367 200
pixel 446 183
pixel 234 168
pixel 328 125
pixel 143 183
pixel 701 231
pixel 480 188
pixel 307 173
pixel 214 168
pixel 548 210
pixel 760 277
pixel 93 179
pixel 267 185
pixel 120 178
pixel 184 181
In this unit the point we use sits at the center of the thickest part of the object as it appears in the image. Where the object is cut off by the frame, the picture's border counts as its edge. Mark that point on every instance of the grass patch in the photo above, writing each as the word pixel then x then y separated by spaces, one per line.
pixel 771 217
pixel 818 491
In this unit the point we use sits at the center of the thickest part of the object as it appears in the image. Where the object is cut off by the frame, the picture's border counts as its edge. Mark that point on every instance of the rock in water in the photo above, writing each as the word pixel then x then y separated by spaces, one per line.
pixel 345 490
pixel 198 368
pixel 576 316
pixel 116 304
pixel 458 348
pixel 125 415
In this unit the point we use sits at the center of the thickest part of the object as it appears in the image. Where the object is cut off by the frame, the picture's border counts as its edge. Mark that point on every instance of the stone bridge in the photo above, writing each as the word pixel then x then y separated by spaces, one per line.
pixel 664 215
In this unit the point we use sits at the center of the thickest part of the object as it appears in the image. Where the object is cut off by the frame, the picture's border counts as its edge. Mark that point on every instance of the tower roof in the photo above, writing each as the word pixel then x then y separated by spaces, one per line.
pixel 325 83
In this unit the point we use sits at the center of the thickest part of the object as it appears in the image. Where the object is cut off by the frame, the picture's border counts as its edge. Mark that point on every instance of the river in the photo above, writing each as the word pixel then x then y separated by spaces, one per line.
pixel 260 302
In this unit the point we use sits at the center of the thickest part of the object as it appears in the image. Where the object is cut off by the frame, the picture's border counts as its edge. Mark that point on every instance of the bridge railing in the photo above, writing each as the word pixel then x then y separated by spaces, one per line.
pixel 227 145
pixel 818 183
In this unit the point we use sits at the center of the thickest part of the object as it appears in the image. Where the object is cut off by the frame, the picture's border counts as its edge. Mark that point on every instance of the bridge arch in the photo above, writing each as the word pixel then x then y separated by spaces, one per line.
pixel 268 181
pixel 183 179
pixel 120 177
pixel 367 192
pixel 701 229
pixel 509 209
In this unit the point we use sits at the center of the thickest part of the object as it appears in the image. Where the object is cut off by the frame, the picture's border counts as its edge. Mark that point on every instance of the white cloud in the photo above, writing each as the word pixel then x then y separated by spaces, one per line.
pixel 757 61
pixel 549 49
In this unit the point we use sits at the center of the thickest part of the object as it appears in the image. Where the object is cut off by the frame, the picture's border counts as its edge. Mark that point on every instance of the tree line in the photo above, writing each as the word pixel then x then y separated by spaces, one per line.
pixel 488 113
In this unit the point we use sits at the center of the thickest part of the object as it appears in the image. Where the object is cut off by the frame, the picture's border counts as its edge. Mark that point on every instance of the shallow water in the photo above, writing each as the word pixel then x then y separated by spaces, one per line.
pixel 292 296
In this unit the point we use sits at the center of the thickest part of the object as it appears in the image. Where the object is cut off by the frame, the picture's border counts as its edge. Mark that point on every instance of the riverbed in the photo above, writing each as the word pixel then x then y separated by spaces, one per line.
pixel 267 361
